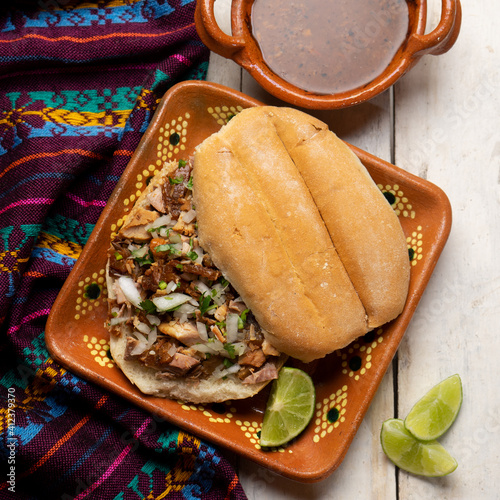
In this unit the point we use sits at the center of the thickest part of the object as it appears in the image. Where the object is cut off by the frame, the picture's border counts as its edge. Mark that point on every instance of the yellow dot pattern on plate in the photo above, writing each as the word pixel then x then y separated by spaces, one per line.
pixel 251 431
pixel 220 413
pixel 91 294
pixel 357 358
pixel 99 349
pixel 222 114
pixel 399 202
pixel 329 413
pixel 415 246
pixel 171 146
pixel 172 140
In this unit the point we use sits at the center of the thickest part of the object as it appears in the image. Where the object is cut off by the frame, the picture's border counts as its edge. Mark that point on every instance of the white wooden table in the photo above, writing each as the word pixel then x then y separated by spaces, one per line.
pixel 440 122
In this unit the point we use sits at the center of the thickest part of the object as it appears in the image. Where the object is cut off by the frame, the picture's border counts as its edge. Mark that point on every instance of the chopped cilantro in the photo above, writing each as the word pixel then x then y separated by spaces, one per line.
pixel 148 306
pixel 182 163
pixel 227 363
pixel 242 319
pixel 167 248
pixel 192 255
pixel 176 180
pixel 189 184
pixel 144 261
pixel 180 267
pixel 230 350
pixel 205 306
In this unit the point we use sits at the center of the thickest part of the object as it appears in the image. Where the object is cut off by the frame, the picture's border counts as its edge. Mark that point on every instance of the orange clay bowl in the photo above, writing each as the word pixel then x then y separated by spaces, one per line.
pixel 243 48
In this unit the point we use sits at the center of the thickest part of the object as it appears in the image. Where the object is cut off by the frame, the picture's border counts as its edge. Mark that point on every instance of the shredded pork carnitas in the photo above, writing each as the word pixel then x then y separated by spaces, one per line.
pixel 185 320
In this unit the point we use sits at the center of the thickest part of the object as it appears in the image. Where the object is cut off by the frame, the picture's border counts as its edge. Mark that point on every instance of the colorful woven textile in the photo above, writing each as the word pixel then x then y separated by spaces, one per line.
pixel 79 82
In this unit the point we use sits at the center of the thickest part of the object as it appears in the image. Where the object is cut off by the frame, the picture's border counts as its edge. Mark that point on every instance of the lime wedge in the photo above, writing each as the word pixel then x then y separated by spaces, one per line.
pixel 289 409
pixel 433 415
pixel 423 458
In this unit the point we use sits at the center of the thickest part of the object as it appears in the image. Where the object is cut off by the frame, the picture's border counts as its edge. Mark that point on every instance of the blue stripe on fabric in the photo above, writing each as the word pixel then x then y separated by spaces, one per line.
pixel 51 256
pixel 87 454
pixel 46 175
pixel 120 14
pixel 56 129
pixel 91 450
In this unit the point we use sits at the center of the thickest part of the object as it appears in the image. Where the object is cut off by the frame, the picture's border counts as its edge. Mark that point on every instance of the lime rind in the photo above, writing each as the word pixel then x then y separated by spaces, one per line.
pixel 423 458
pixel 435 412
pixel 289 409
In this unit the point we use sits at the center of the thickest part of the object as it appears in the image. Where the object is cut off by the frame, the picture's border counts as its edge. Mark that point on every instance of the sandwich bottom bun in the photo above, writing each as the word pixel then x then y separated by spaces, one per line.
pixel 195 391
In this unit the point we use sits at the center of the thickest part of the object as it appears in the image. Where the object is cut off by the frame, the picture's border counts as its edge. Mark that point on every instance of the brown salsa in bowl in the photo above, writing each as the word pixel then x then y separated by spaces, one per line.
pixel 329 46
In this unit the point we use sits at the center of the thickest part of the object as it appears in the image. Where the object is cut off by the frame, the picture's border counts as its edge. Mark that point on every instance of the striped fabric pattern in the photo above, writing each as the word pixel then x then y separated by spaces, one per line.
pixel 79 83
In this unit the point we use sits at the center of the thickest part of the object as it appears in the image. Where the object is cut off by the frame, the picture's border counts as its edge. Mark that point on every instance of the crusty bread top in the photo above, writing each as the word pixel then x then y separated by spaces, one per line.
pixel 296 224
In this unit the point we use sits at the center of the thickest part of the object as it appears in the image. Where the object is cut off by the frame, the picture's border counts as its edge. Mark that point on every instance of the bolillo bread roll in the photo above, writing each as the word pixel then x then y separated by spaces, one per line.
pixel 294 221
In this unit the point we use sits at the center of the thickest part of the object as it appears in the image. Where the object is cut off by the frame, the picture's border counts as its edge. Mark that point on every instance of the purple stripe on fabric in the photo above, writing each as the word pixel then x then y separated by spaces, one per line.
pixel 31 201
pixel 115 464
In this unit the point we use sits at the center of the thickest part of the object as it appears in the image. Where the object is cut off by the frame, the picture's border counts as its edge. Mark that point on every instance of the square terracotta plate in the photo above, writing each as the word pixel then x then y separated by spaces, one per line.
pixel 346 380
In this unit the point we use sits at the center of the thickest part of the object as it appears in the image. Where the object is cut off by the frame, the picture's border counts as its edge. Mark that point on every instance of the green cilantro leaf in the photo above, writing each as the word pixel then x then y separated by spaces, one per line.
pixel 148 306
pixel 227 363
pixel 192 255
pixel 230 350
pixel 176 180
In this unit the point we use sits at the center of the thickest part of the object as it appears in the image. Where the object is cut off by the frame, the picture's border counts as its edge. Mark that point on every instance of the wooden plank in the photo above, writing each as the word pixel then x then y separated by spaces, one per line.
pixel 447 113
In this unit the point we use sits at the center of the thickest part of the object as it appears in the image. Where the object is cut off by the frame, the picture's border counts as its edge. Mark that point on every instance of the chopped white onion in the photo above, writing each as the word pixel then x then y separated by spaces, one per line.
pixel 168 302
pixel 201 287
pixel 140 252
pixel 239 348
pixel 171 286
pixel 194 302
pixel 233 369
pixel 182 317
pixel 202 330
pixel 204 348
pixel 139 348
pixel 153 320
pixel 164 220
pixel 117 320
pixel 143 328
pixel 220 372
pixel 199 252
pixel 188 217
pixel 214 347
pixel 187 309
pixel 127 286
pixel 172 350
pixel 153 335
pixel 175 237
pixel 232 327
pixel 140 337
pixel 219 298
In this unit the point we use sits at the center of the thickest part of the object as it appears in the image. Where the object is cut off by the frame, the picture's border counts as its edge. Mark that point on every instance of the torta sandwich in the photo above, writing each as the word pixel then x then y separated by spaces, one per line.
pixel 272 241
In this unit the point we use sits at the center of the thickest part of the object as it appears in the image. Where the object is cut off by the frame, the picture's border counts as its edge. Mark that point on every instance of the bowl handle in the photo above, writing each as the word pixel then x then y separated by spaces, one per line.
pixel 444 36
pixel 211 34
